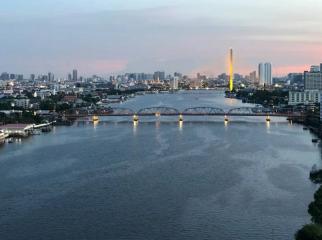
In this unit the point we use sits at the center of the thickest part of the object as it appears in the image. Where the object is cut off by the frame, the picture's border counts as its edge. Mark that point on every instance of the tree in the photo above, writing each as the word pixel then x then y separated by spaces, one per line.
pixel 315 208
pixel 316 176
pixel 309 232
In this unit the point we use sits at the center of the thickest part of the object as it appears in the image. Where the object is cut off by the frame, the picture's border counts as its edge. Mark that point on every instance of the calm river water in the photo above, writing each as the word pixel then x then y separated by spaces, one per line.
pixel 203 180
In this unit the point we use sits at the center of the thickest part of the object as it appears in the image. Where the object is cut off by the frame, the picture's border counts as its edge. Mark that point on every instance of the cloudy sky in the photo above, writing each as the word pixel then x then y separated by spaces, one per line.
pixel 115 36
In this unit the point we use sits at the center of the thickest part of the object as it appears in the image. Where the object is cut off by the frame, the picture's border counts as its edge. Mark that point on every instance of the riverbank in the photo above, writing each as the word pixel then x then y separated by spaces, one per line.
pixel 313 231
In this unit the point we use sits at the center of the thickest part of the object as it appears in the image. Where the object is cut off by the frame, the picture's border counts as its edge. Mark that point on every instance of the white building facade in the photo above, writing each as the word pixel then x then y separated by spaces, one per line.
pixel 306 97
pixel 174 83
pixel 265 74
pixel 22 103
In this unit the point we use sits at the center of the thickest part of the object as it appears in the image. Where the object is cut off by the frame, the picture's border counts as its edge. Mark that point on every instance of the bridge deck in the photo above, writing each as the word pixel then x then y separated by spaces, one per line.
pixel 187 114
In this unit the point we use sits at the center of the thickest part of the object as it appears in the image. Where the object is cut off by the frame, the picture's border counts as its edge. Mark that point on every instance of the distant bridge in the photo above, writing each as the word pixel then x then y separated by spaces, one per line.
pixel 195 111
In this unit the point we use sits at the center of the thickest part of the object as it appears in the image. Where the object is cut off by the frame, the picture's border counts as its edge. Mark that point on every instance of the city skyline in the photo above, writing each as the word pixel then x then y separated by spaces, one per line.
pixel 99 38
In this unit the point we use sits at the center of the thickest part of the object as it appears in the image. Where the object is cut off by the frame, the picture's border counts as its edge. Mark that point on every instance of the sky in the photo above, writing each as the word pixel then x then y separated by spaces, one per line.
pixel 115 36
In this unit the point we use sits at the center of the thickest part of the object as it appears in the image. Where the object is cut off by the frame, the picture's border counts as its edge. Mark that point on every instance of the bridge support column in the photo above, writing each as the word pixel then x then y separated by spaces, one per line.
pixel 135 118
pixel 180 118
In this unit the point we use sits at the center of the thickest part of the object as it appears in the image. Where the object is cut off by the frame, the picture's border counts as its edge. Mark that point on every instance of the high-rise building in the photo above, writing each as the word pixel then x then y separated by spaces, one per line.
pixel 313 78
pixel 315 68
pixel 265 74
pixel 19 77
pixel 253 77
pixel 12 76
pixel 179 75
pixel 159 76
pixel 75 75
pixel 5 76
pixel 174 83
pixel 50 76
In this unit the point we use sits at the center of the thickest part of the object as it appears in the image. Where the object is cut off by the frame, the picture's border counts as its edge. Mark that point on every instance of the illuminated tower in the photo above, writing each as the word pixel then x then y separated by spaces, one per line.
pixel 231 70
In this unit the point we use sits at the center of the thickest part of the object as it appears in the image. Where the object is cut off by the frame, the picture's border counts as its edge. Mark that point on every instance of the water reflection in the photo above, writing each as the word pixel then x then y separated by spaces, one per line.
pixel 157 124
pixel 95 124
pixel 135 127
pixel 180 126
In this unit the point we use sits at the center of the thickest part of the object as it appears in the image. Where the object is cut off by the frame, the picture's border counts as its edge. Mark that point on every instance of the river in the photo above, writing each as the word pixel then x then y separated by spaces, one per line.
pixel 246 180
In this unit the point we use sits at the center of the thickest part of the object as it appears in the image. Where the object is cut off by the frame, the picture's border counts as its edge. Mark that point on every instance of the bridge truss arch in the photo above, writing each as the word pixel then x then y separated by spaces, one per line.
pixel 203 111
pixel 158 111
pixel 249 111
pixel 122 112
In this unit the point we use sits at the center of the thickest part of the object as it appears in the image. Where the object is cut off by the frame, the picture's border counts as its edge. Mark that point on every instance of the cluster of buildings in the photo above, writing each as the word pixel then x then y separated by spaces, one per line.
pixel 304 88
pixel 262 77
pixel 312 90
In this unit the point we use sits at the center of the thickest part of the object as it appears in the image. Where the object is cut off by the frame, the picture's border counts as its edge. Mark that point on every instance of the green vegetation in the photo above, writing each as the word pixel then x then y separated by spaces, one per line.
pixel 309 232
pixel 313 231
pixel 24 117
pixel 264 97
pixel 315 208
pixel 51 105
pixel 316 176
pixel 5 105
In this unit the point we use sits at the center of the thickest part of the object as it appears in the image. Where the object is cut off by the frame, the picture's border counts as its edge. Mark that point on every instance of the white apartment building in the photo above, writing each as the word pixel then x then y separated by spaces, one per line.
pixel 22 103
pixel 304 97
pixel 265 74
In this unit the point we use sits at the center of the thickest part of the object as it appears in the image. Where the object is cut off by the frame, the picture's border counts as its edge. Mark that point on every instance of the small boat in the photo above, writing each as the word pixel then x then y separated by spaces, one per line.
pixel 315 140
pixel 305 129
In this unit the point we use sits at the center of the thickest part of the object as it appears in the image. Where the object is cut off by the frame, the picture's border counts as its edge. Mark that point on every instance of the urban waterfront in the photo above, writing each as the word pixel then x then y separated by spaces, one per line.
pixel 247 179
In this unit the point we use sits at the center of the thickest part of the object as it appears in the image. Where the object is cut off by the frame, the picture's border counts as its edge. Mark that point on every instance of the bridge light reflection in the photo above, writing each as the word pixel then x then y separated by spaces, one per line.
pixel 157 124
pixel 95 124
pixel 180 125
pixel 135 126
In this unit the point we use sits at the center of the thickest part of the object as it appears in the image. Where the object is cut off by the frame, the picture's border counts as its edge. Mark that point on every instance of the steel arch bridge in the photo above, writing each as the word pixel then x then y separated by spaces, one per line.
pixel 203 111
pixel 249 111
pixel 194 111
pixel 121 112
pixel 166 111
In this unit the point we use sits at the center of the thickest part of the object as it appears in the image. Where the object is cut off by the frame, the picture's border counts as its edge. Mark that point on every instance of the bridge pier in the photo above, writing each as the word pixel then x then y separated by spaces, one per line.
pixel 135 118
pixel 180 118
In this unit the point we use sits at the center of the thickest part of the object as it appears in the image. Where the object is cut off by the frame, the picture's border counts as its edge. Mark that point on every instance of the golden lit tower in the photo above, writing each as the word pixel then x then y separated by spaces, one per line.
pixel 231 70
